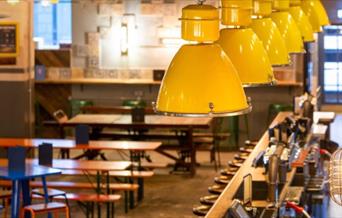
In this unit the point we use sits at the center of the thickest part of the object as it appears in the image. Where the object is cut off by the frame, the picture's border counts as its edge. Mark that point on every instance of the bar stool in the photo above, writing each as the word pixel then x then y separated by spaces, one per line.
pixel 216 189
pixel 5 196
pixel 221 180
pixel 228 173
pixel 209 200
pixel 201 210
pixel 52 207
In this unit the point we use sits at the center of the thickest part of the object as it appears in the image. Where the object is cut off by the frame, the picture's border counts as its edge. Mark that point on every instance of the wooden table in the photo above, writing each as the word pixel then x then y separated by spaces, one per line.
pixel 136 148
pixel 71 144
pixel 86 165
pixel 151 122
pixel 21 185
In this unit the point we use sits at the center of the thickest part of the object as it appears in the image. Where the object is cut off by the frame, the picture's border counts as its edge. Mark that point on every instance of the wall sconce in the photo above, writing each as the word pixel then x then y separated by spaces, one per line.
pixel 13 2
pixel 124 39
pixel 128 25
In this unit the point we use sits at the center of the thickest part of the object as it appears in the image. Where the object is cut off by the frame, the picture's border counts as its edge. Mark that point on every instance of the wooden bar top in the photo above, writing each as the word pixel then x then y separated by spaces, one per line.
pixel 222 204
pixel 93 145
pixel 126 121
pixel 91 165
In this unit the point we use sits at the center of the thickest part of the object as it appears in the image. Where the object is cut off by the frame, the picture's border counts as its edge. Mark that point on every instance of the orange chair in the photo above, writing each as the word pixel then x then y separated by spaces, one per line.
pixel 51 207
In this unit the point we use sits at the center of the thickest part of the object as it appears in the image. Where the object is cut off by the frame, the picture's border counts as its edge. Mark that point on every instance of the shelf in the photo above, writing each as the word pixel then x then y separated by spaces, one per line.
pixel 129 81
pixel 98 81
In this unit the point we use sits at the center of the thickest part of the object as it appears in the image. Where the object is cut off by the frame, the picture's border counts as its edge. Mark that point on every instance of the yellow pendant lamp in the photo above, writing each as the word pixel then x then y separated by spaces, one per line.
pixel 242 45
pixel 201 80
pixel 287 26
pixel 316 13
pixel 269 33
pixel 302 21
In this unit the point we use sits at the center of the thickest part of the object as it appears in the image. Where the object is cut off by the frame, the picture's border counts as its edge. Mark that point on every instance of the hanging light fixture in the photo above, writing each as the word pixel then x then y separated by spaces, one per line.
pixel 335 177
pixel 54 1
pixel 302 21
pixel 201 80
pixel 316 13
pixel 243 46
pixel 269 33
pixel 287 26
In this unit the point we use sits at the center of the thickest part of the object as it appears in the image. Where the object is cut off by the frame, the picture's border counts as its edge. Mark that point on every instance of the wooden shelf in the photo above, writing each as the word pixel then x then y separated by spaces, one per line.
pixel 98 81
pixel 129 81
pixel 289 83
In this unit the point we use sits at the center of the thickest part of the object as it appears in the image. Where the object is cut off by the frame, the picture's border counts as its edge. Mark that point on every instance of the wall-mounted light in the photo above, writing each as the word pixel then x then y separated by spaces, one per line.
pixel 13 2
pixel 127 32
pixel 124 39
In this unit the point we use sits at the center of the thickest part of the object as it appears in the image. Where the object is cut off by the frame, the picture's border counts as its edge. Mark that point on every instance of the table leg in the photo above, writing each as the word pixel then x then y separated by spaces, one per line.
pixel 193 151
pixel 46 194
pixel 141 189
pixel 15 202
pixel 108 193
pixel 25 184
pixel 98 189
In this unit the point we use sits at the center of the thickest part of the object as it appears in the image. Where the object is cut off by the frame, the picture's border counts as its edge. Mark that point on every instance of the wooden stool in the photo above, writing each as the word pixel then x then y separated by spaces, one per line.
pixel 52 207
pixel 5 196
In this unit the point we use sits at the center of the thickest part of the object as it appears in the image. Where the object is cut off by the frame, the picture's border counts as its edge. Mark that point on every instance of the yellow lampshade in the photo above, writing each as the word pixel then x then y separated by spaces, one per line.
pixel 200 23
pixel 262 8
pixel 201 80
pixel 303 23
pixel 54 1
pixel 281 5
pixel 273 42
pixel 316 14
pixel 237 12
pixel 289 31
pixel 248 55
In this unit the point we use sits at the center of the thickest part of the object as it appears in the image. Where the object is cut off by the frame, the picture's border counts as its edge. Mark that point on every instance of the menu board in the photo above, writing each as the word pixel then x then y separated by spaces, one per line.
pixel 8 39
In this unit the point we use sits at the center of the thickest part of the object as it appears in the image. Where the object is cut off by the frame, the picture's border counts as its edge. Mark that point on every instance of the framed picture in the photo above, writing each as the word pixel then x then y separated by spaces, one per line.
pixel 9 39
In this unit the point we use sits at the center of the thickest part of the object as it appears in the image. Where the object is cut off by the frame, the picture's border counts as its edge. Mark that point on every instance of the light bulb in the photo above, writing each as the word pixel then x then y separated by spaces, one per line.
pixel 13 2
pixel 335 177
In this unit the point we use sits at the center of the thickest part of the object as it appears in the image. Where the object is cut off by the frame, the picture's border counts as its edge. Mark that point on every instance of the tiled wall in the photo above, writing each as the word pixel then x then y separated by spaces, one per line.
pixel 152 29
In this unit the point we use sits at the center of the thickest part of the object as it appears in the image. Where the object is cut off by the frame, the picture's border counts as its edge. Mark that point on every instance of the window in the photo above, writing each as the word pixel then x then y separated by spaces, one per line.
pixel 52 24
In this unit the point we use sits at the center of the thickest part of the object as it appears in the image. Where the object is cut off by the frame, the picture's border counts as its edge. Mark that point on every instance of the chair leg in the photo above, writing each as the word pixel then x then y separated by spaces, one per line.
pixel 22 213
pixel 67 212
pixel 67 203
pixel 6 208
pixel 218 152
